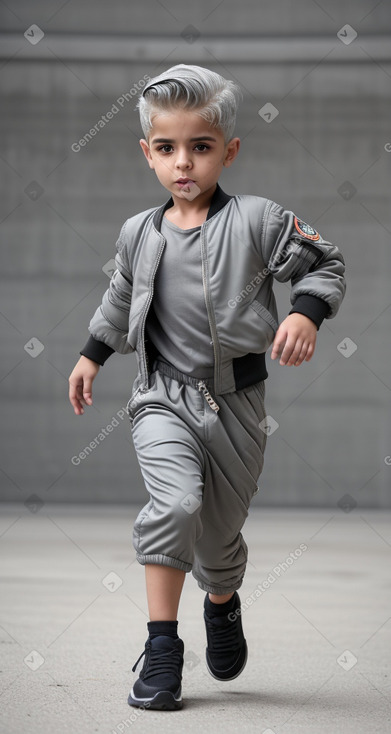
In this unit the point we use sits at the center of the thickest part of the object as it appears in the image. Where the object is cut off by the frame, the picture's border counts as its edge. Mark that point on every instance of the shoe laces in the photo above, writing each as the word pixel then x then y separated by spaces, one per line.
pixel 223 634
pixel 159 661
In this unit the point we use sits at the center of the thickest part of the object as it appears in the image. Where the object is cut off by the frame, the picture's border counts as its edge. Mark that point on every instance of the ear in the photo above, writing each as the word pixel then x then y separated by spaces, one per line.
pixel 231 151
pixel 147 152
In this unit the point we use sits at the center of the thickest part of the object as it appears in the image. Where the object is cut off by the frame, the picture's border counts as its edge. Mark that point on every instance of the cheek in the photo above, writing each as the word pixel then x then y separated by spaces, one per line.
pixel 162 163
pixel 211 162
pixel 216 163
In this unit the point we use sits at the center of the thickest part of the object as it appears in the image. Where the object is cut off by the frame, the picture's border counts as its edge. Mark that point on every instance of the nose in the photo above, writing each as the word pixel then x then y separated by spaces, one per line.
pixel 182 159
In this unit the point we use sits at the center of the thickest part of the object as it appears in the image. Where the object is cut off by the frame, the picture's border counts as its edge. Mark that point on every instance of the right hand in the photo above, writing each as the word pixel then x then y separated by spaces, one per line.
pixel 80 383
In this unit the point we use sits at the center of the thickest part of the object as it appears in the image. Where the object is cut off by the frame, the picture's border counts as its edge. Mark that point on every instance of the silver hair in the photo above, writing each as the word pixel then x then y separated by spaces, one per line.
pixel 191 88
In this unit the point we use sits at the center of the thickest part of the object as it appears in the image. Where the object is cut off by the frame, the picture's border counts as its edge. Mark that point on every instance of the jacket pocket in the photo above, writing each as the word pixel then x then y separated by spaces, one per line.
pixel 255 397
pixel 131 404
pixel 255 394
pixel 265 314
pixel 138 397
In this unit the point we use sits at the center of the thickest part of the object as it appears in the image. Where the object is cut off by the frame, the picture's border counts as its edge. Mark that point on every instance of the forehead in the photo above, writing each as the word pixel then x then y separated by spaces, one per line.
pixel 181 125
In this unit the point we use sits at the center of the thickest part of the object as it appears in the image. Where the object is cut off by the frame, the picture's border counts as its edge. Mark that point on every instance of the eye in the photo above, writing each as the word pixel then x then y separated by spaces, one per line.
pixel 163 148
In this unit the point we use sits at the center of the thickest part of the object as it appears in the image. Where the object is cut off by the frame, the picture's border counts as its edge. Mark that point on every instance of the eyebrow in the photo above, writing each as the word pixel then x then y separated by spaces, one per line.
pixel 170 140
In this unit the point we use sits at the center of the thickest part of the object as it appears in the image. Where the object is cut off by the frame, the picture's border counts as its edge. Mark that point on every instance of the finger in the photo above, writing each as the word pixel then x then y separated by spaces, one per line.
pixel 277 348
pixel 278 344
pixel 74 397
pixel 80 397
pixel 291 352
pixel 302 354
pixel 87 390
pixel 310 352
pixel 77 406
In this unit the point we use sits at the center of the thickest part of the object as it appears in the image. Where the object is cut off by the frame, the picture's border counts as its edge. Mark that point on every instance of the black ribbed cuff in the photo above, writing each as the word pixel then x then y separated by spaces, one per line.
pixel 315 308
pixel 97 351
pixel 167 628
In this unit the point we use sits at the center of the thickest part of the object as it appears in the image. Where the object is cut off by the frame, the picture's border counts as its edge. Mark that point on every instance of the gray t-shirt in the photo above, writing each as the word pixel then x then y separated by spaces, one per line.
pixel 177 322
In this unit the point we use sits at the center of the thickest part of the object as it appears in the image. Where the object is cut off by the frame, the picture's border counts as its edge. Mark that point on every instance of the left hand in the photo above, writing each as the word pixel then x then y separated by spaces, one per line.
pixel 295 340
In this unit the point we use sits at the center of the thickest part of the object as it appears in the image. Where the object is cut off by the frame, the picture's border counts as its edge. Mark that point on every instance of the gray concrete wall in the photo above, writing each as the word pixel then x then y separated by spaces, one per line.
pixel 326 156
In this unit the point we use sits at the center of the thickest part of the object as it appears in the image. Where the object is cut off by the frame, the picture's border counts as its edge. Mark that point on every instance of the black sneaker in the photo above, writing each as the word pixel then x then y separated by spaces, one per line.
pixel 226 653
pixel 159 682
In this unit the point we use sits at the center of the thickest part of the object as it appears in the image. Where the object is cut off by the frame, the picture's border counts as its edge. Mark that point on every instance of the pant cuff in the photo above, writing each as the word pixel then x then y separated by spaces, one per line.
pixel 219 589
pixel 161 560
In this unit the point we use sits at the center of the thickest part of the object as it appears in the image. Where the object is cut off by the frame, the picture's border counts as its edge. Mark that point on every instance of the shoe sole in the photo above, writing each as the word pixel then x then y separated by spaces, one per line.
pixel 232 676
pixel 162 701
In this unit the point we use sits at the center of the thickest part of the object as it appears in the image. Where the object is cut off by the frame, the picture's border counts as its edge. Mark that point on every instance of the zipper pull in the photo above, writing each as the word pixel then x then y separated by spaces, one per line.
pixel 202 387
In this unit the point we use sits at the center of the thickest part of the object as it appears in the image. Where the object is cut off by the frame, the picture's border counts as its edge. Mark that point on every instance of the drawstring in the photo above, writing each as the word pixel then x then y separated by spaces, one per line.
pixel 202 387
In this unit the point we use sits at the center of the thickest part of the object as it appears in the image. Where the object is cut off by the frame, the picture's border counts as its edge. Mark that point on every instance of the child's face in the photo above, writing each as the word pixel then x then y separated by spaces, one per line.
pixel 173 154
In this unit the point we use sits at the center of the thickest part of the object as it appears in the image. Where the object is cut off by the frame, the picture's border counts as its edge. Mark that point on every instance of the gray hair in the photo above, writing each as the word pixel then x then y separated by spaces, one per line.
pixel 192 88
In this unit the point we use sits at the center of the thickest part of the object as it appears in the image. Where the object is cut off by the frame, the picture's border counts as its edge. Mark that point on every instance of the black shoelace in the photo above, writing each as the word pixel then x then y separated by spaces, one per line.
pixel 160 661
pixel 224 636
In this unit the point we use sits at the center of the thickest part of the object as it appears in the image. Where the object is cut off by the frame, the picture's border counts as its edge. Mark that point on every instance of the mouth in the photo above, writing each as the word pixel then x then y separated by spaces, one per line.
pixel 184 181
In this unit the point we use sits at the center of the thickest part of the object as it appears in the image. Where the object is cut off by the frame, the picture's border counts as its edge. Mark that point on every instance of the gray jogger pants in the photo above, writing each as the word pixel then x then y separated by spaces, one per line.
pixel 200 468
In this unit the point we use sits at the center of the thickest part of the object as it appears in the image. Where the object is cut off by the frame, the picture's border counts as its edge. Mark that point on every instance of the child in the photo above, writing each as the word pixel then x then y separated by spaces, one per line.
pixel 192 296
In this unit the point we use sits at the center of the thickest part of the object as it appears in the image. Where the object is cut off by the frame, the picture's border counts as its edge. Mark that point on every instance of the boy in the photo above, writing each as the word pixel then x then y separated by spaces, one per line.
pixel 192 296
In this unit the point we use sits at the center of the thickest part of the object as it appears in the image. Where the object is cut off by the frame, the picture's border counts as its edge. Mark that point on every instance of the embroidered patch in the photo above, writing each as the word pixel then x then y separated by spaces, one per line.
pixel 306 230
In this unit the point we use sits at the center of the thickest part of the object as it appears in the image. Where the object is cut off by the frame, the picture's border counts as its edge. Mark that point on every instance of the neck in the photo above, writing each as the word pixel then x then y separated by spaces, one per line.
pixel 185 208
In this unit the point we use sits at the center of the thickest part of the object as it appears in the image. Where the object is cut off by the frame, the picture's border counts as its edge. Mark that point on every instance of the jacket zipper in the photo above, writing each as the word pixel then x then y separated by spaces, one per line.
pixel 211 321
pixel 201 384
pixel 144 356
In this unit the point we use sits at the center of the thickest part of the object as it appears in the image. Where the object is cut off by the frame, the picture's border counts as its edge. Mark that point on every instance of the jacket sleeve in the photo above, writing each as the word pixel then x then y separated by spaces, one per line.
pixel 293 250
pixel 108 327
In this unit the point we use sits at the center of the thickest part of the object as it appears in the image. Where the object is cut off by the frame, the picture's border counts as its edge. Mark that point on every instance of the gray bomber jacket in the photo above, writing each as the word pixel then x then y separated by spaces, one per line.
pixel 246 241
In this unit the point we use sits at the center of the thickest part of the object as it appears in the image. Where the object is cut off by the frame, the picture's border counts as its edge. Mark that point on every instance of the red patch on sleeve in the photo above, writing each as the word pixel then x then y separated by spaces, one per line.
pixel 305 230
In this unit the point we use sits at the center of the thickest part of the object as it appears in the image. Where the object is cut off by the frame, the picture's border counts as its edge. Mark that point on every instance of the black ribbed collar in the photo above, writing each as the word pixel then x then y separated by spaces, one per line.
pixel 219 199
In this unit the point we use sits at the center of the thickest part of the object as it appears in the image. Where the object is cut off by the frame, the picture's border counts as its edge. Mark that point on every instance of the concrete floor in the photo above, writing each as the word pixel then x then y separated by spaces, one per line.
pixel 73 622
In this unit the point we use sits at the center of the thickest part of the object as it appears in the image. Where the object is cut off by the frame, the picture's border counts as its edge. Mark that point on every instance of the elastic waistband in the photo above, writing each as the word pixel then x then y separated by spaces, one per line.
pixel 167 369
